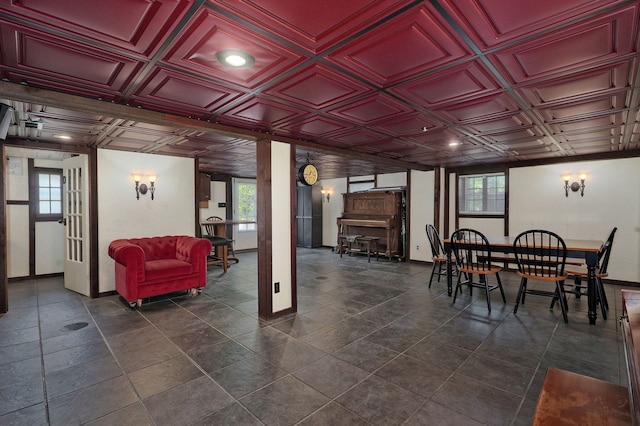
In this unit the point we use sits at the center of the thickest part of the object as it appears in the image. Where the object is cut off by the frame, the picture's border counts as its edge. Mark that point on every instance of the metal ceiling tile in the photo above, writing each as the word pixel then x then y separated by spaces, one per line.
pixel 452 85
pixel 408 125
pixel 401 48
pixel 313 25
pixel 184 92
pixel 589 44
pixel 318 87
pixel 371 109
pixel 137 26
pixel 52 58
pixel 264 113
pixel 493 22
pixel 496 107
pixel 208 33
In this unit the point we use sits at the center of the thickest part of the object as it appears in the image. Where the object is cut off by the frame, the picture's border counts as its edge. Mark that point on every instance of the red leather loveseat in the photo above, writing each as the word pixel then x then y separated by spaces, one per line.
pixel 147 267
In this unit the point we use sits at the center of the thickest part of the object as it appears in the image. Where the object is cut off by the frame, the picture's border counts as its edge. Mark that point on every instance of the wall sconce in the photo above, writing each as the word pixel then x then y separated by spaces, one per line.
pixel 575 186
pixel 141 188
pixel 326 194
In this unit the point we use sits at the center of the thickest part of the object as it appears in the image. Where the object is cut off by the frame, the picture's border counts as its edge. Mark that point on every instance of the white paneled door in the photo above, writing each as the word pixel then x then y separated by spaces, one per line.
pixel 76 209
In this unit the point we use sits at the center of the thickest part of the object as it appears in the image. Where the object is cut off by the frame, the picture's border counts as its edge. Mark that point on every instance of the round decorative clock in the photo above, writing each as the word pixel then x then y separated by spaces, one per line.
pixel 308 174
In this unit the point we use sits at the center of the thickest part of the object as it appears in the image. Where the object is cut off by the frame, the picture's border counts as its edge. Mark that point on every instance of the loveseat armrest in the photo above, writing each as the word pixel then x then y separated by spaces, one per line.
pixel 130 255
pixel 193 250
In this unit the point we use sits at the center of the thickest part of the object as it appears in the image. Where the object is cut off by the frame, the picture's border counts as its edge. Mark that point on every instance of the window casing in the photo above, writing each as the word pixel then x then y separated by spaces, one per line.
pixel 482 194
pixel 48 194
pixel 247 205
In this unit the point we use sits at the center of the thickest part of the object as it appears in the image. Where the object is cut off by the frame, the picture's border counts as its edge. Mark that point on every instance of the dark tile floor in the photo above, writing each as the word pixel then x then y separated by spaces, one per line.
pixel 370 344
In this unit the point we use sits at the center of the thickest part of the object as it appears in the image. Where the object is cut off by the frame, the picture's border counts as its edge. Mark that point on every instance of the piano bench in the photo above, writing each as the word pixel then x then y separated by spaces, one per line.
pixel 365 244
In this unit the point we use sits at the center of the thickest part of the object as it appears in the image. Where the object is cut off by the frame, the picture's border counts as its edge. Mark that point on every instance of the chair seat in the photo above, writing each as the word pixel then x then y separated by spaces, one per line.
pixel 480 269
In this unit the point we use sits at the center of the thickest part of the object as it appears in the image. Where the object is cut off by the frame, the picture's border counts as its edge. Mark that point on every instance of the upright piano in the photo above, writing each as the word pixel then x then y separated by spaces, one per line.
pixel 377 213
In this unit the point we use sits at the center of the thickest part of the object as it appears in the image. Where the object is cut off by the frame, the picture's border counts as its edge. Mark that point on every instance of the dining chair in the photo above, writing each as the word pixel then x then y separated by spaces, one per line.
pixel 541 256
pixel 439 259
pixel 580 272
pixel 473 257
pixel 222 243
pixel 229 240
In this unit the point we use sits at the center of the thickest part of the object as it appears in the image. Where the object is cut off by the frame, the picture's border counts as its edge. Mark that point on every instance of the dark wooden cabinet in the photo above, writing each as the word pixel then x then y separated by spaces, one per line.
pixel 309 216
pixel 205 187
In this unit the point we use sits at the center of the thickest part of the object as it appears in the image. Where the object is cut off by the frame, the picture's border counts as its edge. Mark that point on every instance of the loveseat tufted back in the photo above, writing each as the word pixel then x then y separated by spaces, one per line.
pixel 157 248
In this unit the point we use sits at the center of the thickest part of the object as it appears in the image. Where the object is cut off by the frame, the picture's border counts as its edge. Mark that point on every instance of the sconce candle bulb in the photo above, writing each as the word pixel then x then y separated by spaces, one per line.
pixel 152 181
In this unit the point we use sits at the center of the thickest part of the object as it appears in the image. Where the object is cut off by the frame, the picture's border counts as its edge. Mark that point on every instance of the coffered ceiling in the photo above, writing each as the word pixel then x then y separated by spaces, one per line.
pixel 363 86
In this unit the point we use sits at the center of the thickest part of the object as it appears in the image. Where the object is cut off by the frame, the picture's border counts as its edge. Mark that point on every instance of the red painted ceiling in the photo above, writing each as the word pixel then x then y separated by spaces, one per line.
pixel 515 81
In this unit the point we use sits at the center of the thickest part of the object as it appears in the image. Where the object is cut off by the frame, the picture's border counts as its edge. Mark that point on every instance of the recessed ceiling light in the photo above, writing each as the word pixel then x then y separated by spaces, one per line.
pixel 454 143
pixel 235 58
pixel 65 137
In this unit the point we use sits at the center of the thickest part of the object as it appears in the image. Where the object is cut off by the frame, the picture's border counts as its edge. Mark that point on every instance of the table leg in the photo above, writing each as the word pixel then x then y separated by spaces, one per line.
pixel 592 261
pixel 449 274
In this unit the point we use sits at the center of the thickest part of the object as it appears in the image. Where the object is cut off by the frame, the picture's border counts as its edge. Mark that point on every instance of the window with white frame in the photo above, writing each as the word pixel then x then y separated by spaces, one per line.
pixel 481 194
pixel 246 204
pixel 49 193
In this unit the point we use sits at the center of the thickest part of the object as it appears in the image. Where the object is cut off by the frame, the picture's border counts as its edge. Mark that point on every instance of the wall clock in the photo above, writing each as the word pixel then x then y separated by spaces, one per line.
pixel 308 174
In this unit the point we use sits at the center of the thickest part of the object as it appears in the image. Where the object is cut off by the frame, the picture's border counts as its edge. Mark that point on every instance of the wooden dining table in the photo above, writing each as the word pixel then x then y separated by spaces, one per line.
pixel 576 249
pixel 221 229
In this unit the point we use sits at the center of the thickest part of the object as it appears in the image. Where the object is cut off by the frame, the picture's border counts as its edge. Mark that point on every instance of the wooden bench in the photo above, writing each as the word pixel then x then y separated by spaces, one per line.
pixel 363 244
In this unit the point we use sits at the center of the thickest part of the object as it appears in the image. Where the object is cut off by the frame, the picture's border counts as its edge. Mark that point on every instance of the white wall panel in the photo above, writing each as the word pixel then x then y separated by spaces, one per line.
pixel 17 241
pixel 281 223
pixel 421 214
pixel 120 215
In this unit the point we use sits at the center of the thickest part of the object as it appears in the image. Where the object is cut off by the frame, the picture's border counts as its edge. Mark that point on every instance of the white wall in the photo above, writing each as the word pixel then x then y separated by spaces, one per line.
pixel 281 224
pixel 17 225
pixel 332 210
pixel 120 215
pixel 218 195
pixel 611 198
pixel 49 236
pixel 420 214
pixel 392 179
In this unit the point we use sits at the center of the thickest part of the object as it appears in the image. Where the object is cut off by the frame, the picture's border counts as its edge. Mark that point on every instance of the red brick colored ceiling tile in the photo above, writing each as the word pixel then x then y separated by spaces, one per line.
pixel 263 112
pixel 597 82
pixel 488 108
pixel 371 109
pixel 407 125
pixel 207 33
pixel 316 126
pixel 592 124
pixel 514 135
pixel 495 22
pixel 581 46
pixel 515 122
pixel 184 92
pixel 597 106
pixel 439 138
pixel 137 26
pixel 354 137
pixel 318 87
pixel 464 81
pixel 53 58
pixel 412 43
pixel 313 25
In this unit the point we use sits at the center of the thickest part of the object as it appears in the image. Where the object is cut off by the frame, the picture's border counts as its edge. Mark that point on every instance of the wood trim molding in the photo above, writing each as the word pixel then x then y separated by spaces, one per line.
pixel 94 283
pixel 265 249
pixel 4 284
pixel 294 231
